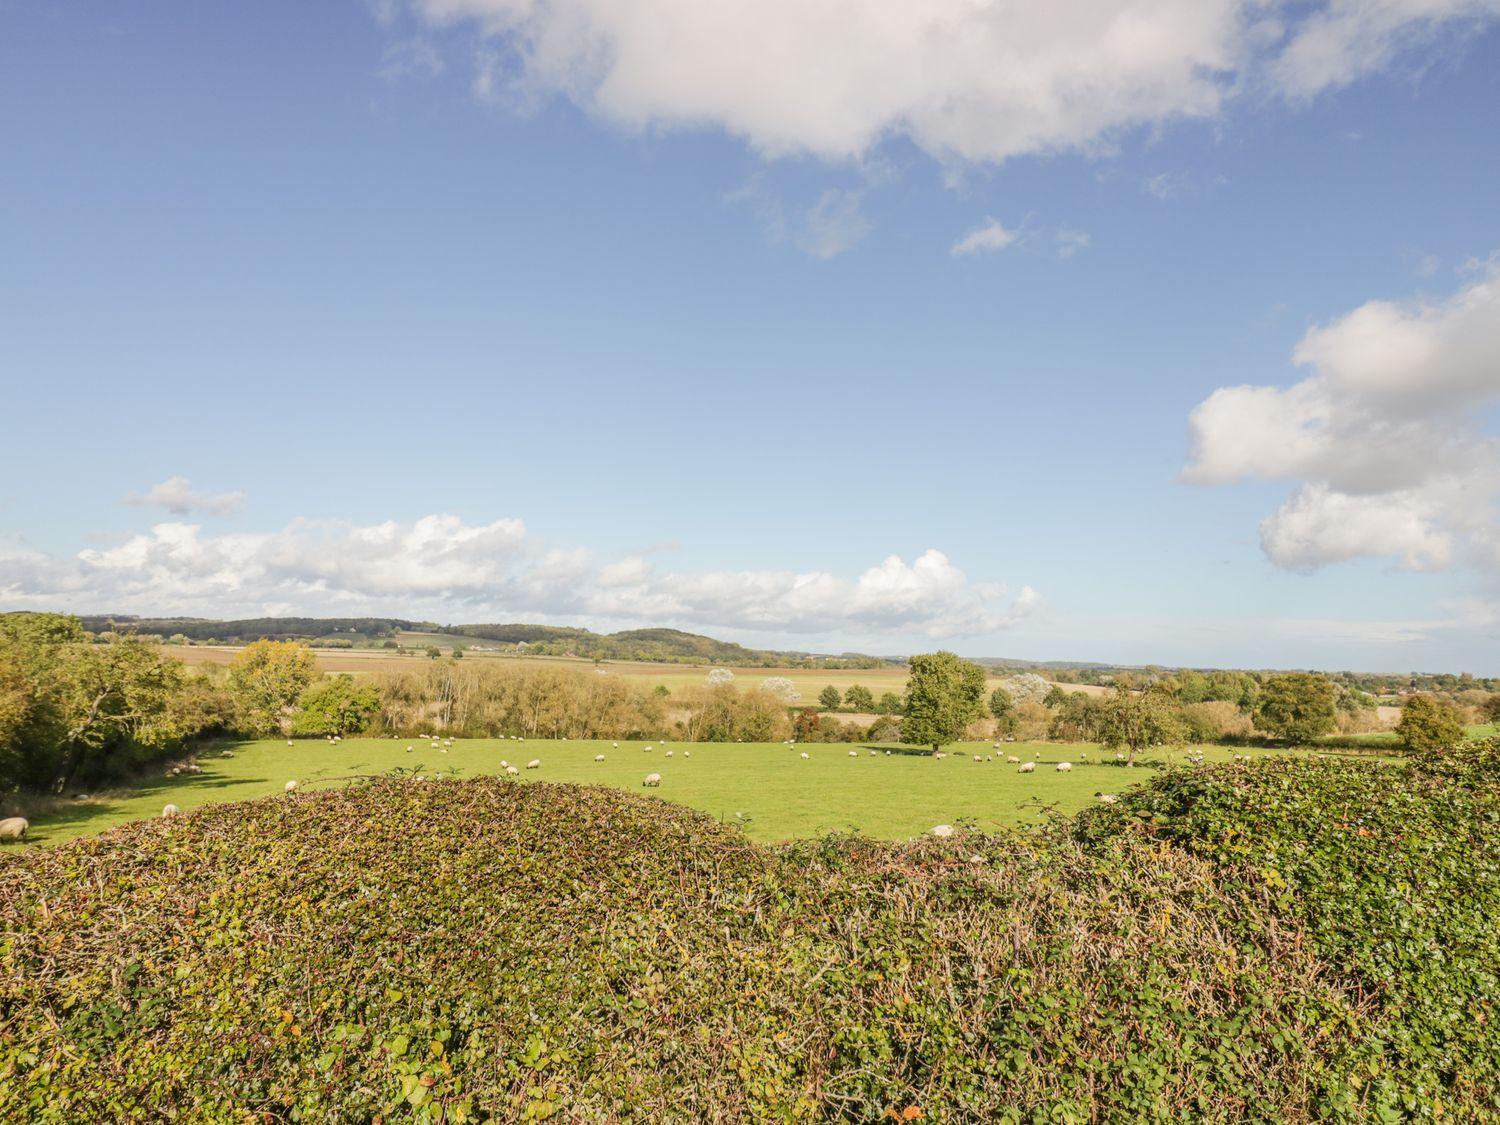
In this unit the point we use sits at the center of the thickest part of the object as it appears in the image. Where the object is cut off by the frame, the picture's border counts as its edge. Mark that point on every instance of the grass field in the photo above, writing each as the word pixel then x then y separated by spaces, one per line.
pixel 769 789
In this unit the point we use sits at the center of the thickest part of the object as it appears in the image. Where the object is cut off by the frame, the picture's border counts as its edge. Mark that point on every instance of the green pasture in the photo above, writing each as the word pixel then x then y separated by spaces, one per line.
pixel 768 788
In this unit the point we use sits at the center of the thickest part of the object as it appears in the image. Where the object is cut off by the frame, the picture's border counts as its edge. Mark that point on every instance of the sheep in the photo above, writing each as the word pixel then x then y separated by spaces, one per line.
pixel 873 753
pixel 669 753
pixel 289 742
pixel 854 753
pixel 1026 767
pixel 648 749
pixel 1108 798
pixel 977 758
pixel 617 745
pixel 170 810
pixel 227 754
pixel 409 749
pixel 940 755
pixel 291 786
pixel 14 828
pixel 1064 767
pixel 687 753
pixel 598 757
pixel 942 831
pixel 512 771
pixel 805 755
pixel 534 764
pixel 652 781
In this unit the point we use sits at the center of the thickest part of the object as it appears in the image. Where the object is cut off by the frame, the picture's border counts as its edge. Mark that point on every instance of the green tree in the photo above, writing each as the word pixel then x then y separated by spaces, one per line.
pixel 943 696
pixel 830 697
pixel 1491 709
pixel 1297 706
pixel 337 705
pixel 888 704
pixel 266 679
pixel 858 698
pixel 1428 724
pixel 1003 708
pixel 114 696
pixel 1055 697
pixel 1139 720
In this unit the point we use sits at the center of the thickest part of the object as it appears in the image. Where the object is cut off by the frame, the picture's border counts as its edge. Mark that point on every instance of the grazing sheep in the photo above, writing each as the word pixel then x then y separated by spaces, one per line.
pixel 408 749
pixel 598 757
pixel 854 753
pixel 227 754
pixel 1026 767
pixel 805 755
pixel 616 745
pixel 289 742
pixel 669 753
pixel 942 831
pixel 887 753
pixel 940 755
pixel 989 757
pixel 1064 767
pixel 873 753
pixel 977 758
pixel 1107 798
pixel 170 810
pixel 534 764
pixel 290 786
pixel 652 781
pixel 15 828
pixel 687 753
pixel 512 771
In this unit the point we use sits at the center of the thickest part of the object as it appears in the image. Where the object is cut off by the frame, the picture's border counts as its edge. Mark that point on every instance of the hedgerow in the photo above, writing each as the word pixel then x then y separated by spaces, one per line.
pixel 1392 871
pixel 464 951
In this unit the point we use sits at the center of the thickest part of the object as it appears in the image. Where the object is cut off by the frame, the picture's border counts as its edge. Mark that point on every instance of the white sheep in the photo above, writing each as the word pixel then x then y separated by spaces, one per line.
pixel 289 742
pixel 940 755
pixel 648 748
pixel 1064 767
pixel 687 753
pixel 805 755
pixel 1026 767
pixel 534 764
pixel 170 810
pixel 977 758
pixel 652 781
pixel 1012 759
pixel 1108 798
pixel 503 763
pixel 617 745
pixel 854 753
pixel 290 786
pixel 669 753
pixel 409 749
pixel 14 828
pixel 227 754
pixel 942 831
pixel 598 757
pixel 512 771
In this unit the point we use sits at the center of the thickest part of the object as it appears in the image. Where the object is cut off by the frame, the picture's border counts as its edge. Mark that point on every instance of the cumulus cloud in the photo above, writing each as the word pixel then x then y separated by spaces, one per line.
pixel 988 236
pixel 963 80
pixel 177 495
pixel 440 566
pixel 1385 436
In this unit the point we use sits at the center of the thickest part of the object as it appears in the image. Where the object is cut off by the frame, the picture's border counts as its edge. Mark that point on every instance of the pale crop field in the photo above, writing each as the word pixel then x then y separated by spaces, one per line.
pixel 768 788
pixel 675 677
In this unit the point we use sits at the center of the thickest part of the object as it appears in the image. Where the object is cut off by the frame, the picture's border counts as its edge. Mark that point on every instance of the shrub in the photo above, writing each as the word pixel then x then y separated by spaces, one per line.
pixel 1392 871
pixel 464 951
pixel 337 705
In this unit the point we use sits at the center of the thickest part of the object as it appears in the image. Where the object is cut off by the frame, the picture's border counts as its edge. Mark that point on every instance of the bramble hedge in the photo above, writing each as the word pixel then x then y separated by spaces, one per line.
pixel 488 949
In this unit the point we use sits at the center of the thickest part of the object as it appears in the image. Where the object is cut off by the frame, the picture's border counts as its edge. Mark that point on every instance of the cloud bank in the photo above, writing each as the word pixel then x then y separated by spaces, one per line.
pixel 439 566
pixel 1385 438
pixel 964 80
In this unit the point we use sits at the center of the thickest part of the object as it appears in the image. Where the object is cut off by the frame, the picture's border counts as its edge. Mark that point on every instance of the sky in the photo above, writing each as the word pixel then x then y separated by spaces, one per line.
pixel 1139 331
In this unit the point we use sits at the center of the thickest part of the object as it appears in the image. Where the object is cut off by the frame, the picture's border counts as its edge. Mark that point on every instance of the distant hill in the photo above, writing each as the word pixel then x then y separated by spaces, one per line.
pixel 670 646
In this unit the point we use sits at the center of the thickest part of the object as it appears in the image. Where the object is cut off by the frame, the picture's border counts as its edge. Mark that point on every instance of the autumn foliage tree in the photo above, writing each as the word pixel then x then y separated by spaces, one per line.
pixel 266 679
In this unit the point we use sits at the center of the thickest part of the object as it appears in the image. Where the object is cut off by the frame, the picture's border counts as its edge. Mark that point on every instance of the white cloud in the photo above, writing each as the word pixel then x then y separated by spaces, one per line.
pixel 988 236
pixel 834 224
pixel 440 566
pixel 1385 436
pixel 410 58
pixel 1070 241
pixel 1343 40
pixel 177 495
pixel 964 80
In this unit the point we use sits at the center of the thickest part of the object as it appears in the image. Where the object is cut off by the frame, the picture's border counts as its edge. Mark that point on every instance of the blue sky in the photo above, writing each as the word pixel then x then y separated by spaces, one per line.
pixel 474 310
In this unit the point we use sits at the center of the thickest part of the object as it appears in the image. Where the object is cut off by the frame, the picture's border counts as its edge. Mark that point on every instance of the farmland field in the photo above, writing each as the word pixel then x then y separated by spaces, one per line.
pixel 767 788
pixel 674 677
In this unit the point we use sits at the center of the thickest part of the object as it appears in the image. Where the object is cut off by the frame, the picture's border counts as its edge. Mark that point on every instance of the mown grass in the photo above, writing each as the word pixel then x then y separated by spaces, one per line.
pixel 767 789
